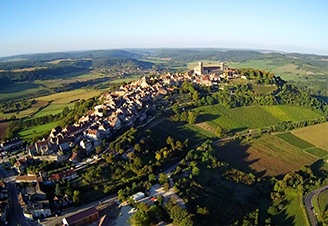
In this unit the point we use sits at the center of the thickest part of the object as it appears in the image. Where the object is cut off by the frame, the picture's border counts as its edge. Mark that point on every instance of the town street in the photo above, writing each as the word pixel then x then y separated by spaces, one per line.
pixel 15 215
pixel 309 207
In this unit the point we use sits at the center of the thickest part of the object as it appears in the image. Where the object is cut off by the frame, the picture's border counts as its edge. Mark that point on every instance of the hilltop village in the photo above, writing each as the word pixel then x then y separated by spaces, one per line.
pixel 131 105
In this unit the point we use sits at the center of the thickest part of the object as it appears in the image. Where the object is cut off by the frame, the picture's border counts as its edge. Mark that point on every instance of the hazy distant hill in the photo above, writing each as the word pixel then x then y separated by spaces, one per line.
pixel 65 55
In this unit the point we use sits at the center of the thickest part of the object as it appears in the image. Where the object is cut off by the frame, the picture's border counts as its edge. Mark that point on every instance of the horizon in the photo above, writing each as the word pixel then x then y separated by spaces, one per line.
pixel 165 48
pixel 47 27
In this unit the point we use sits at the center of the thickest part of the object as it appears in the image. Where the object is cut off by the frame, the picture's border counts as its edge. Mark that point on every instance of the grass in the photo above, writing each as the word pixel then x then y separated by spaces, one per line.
pixel 316 134
pixel 294 140
pixel 178 131
pixel 263 89
pixel 295 209
pixel 265 156
pixel 290 113
pixel 323 201
pixel 61 100
pixel 37 130
pixel 22 90
pixel 316 152
pixel 252 117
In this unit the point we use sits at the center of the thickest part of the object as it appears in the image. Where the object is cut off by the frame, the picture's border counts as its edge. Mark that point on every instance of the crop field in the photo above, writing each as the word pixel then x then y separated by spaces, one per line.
pixel 290 113
pixel 264 156
pixel 37 130
pixel 61 100
pixel 294 140
pixel 252 117
pixel 316 134
pixel 316 152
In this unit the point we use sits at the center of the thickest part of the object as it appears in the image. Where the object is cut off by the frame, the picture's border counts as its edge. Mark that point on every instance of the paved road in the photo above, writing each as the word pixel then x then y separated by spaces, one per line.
pixel 15 214
pixel 309 206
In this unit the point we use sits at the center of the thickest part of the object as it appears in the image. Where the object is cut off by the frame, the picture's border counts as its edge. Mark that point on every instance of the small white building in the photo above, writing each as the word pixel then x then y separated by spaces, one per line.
pixel 138 196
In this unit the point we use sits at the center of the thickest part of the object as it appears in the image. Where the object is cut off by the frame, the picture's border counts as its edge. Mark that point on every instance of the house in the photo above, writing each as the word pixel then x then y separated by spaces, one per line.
pixel 20 166
pixel 26 179
pixel 82 218
pixel 114 122
pixel 138 196
pixel 6 145
pixel 73 157
pixel 42 147
pixel 93 134
pixel 87 145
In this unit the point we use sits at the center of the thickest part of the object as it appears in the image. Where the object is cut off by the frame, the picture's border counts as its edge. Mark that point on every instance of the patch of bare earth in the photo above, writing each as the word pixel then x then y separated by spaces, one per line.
pixel 3 127
pixel 206 126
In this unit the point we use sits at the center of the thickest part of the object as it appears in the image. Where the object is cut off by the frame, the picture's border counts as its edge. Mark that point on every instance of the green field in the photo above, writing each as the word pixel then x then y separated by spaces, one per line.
pixel 323 201
pixel 316 152
pixel 294 140
pixel 252 117
pixel 291 113
pixel 295 210
pixel 37 130
pixel 264 156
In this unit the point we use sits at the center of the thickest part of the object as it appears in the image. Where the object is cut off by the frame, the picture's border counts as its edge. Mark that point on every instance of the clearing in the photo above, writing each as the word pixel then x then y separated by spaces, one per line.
pixel 265 156
pixel 37 130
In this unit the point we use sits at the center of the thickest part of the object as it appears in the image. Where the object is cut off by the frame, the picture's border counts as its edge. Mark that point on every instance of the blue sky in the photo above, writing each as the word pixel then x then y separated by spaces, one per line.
pixel 33 26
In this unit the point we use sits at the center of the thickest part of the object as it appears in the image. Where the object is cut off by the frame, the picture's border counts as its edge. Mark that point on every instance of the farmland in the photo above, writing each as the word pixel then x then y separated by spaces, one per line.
pixel 266 156
pixel 316 134
pixel 294 140
pixel 251 117
pixel 37 130
pixel 323 201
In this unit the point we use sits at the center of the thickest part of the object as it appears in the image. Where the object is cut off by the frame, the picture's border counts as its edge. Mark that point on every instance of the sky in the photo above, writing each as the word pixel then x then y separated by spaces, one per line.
pixel 38 26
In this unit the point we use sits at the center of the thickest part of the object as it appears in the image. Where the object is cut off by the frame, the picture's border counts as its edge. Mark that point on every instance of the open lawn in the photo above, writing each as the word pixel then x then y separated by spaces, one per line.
pixel 252 117
pixel 37 130
pixel 265 156
pixel 294 140
pixel 316 134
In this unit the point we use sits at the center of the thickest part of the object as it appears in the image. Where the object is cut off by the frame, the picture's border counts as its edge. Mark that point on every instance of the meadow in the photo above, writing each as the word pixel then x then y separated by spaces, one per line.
pixel 264 156
pixel 37 130
pixel 323 201
pixel 252 117
pixel 316 134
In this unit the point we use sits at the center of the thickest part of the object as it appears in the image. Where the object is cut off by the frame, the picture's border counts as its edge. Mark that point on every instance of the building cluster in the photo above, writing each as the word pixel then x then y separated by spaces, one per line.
pixel 4 204
pixel 33 201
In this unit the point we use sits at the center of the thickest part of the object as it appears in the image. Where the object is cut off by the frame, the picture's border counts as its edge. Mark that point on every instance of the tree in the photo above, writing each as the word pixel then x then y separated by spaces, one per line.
pixel 195 96
pixel 58 190
pixel 76 197
pixel 163 178
pixel 98 149
pixel 176 108
pixel 192 117
pixel 219 131
pixel 13 161
pixel 140 218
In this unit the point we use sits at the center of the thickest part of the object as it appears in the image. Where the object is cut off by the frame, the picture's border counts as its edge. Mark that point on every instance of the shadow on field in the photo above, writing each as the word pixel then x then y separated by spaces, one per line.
pixel 317 166
pixel 236 155
pixel 206 117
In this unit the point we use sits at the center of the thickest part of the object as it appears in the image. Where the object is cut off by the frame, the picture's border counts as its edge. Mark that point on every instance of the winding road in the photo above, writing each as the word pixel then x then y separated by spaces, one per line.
pixel 309 206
